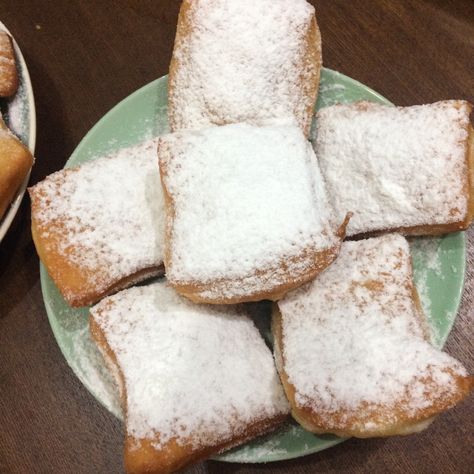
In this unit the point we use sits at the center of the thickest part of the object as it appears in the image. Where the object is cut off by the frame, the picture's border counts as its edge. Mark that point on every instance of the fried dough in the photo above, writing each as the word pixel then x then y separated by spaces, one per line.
pixel 99 228
pixel 8 71
pixel 247 213
pixel 352 352
pixel 399 169
pixel 246 61
pixel 195 379
pixel 15 162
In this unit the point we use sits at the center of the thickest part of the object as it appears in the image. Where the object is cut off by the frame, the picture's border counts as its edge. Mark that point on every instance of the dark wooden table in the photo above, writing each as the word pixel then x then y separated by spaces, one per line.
pixel 84 56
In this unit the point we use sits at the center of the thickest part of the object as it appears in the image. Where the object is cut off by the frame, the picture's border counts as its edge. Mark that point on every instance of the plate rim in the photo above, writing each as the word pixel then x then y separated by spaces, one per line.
pixel 45 279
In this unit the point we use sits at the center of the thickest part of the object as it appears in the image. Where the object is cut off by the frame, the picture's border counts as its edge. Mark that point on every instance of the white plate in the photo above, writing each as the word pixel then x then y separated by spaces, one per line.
pixel 20 116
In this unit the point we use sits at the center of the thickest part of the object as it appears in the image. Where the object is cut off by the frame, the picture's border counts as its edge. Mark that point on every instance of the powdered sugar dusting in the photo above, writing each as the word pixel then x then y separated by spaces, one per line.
pixel 245 199
pixel 365 333
pixel 427 259
pixel 395 166
pixel 177 387
pixel 107 215
pixel 297 442
pixel 7 63
pixel 16 118
pixel 242 61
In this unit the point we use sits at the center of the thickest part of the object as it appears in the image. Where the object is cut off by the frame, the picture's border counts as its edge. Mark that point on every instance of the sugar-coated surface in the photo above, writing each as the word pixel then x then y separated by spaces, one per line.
pixel 6 61
pixel 191 371
pixel 395 166
pixel 353 335
pixel 110 213
pixel 246 199
pixel 243 61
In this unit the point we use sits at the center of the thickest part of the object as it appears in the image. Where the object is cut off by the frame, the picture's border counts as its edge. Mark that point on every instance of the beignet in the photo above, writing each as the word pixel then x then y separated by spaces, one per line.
pixel 15 163
pixel 195 379
pixel 247 212
pixel 352 351
pixel 244 61
pixel 99 228
pixel 404 169
pixel 8 71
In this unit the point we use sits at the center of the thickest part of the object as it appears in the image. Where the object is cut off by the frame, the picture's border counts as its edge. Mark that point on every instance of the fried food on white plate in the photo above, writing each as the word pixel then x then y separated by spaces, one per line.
pixel 404 169
pixel 99 228
pixel 15 163
pixel 247 212
pixel 8 71
pixel 352 347
pixel 195 379
pixel 244 61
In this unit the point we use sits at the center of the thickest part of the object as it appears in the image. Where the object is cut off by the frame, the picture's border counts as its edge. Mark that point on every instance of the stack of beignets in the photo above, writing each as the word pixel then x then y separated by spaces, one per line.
pixel 250 215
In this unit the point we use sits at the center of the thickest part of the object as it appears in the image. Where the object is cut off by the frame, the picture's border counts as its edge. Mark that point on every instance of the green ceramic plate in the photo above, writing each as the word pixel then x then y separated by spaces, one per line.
pixel 439 265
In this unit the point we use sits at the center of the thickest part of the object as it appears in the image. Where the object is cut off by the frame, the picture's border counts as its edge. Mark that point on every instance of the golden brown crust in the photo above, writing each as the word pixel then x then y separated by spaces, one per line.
pixel 142 457
pixel 8 71
pixel 419 312
pixel 199 293
pixel 100 340
pixel 15 162
pixel 77 284
pixel 470 176
pixel 183 30
pixel 310 87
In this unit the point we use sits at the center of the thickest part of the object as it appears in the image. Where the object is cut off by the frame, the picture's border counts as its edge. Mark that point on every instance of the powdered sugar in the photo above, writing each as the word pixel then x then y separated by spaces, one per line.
pixel 106 216
pixel 354 336
pixel 8 74
pixel 245 199
pixel 17 120
pixel 242 61
pixel 395 167
pixel 176 386
pixel 428 255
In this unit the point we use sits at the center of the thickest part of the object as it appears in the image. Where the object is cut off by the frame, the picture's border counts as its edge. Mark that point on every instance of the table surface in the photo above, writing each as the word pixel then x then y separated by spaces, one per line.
pixel 84 56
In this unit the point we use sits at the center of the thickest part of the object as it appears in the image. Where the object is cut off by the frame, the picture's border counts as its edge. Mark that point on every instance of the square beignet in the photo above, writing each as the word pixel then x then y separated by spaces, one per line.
pixel 352 350
pixel 15 163
pixel 247 213
pixel 8 70
pixel 404 169
pixel 195 379
pixel 99 228
pixel 244 61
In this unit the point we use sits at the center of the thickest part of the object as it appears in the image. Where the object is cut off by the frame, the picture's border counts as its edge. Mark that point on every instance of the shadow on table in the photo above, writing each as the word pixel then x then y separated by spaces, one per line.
pixel 17 259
